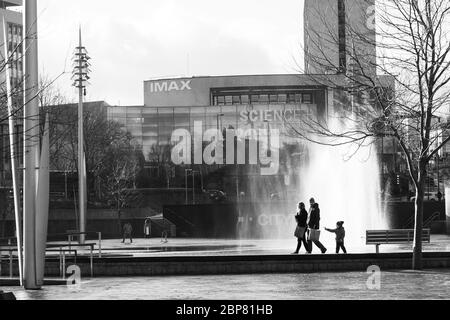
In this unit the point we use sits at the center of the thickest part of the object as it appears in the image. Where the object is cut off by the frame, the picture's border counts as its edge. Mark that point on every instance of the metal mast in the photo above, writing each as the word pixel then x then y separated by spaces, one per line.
pixel 81 76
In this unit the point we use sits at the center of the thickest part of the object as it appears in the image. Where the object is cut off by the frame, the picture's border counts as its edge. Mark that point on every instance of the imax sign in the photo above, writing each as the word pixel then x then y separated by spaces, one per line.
pixel 168 86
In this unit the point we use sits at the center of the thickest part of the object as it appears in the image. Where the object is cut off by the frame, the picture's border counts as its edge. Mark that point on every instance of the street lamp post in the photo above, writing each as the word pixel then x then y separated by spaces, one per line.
pixel 192 172
pixel 219 116
pixel 193 187
pixel 186 174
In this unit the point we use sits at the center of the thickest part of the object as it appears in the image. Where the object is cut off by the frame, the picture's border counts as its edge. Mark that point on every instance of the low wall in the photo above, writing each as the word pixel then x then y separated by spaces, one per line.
pixel 209 265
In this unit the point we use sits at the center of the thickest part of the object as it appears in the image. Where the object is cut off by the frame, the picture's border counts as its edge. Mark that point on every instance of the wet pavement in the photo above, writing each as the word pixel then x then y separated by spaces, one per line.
pixel 328 286
pixel 349 285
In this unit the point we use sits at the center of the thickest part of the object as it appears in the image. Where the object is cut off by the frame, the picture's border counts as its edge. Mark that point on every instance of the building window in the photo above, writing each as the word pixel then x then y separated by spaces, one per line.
pixel 228 100
pixel 220 100
pixel 255 98
pixel 282 98
pixel 291 98
pixel 307 98
pixel 273 98
pixel 264 98
pixel 236 99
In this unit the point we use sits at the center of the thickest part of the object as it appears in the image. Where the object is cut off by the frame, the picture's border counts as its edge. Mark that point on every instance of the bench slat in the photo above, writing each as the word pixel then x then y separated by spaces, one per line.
pixel 396 236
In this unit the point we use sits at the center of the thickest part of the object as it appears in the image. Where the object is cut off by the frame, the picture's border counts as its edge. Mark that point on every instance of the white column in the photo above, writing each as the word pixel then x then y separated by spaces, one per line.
pixel 14 155
pixel 42 204
pixel 31 143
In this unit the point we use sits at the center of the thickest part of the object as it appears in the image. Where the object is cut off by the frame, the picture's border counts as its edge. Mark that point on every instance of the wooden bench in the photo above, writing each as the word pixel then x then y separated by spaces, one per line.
pixel 399 236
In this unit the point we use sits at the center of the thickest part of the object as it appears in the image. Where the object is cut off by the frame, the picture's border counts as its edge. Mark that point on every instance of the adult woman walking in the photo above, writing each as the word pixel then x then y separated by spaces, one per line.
pixel 300 231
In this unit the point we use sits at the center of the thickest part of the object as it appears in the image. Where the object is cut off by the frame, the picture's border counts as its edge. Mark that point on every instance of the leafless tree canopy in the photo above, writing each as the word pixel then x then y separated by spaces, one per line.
pixel 400 89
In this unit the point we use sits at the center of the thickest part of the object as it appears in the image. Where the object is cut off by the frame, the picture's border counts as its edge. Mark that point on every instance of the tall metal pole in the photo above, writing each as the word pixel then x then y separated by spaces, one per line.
pixel 42 203
pixel 81 163
pixel 14 156
pixel 31 143
pixel 186 184
pixel 438 174
pixel 193 187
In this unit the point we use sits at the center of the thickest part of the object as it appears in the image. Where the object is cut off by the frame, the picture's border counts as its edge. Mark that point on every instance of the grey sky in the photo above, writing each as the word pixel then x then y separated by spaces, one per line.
pixel 152 39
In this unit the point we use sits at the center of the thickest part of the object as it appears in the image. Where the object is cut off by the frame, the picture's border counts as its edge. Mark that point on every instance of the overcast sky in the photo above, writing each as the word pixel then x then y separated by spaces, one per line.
pixel 151 39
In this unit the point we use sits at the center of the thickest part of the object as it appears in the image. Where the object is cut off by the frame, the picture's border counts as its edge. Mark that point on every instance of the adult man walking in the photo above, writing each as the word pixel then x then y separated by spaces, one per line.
pixel 314 227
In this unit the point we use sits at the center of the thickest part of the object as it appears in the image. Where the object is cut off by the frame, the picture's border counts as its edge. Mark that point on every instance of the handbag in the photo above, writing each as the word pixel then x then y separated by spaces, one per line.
pixel 314 235
pixel 299 232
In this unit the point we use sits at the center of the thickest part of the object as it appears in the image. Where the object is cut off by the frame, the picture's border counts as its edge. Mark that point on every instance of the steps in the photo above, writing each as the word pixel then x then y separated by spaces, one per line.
pixel 160 224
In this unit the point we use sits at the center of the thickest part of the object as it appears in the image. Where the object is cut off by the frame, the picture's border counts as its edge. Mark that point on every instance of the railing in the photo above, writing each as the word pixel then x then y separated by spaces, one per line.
pixel 177 216
pixel 409 223
pixel 60 249
pixel 427 223
pixel 165 224
pixel 431 219
pixel 10 243
pixel 71 234
pixel 62 259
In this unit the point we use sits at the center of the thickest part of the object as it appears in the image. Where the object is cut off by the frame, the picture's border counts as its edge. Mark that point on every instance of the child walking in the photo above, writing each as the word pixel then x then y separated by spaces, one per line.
pixel 340 235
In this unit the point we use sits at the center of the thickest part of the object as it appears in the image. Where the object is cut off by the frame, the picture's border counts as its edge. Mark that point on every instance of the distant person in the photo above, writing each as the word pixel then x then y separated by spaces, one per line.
pixel 127 232
pixel 439 196
pixel 300 232
pixel 340 236
pixel 147 227
pixel 164 236
pixel 314 228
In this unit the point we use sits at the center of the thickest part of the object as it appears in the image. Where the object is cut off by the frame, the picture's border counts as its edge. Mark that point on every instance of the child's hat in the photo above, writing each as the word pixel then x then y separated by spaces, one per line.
pixel 340 223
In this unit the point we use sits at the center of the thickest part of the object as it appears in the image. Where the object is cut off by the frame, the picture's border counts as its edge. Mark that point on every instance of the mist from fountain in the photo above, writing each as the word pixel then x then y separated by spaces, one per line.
pixel 345 181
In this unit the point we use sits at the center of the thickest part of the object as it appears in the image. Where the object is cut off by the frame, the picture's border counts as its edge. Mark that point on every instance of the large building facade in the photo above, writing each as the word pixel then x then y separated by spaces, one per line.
pixel 338 33
pixel 275 106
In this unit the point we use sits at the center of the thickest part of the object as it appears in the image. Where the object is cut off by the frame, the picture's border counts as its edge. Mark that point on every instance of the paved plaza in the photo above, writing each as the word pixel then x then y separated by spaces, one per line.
pixel 397 284
pixel 351 285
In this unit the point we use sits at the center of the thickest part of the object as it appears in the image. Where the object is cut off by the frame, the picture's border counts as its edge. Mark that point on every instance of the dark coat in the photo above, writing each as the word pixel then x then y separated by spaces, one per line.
pixel 302 218
pixel 314 219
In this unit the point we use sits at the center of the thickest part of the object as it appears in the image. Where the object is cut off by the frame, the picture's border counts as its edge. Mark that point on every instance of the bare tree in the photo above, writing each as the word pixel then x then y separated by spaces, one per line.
pixel 100 134
pixel 118 173
pixel 401 90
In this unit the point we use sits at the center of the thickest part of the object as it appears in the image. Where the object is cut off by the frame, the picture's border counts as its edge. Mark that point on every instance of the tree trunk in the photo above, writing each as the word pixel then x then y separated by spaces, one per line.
pixel 3 212
pixel 119 220
pixel 417 263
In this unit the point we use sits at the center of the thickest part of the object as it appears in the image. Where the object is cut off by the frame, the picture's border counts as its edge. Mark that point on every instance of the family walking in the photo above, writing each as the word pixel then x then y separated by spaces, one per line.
pixel 308 229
